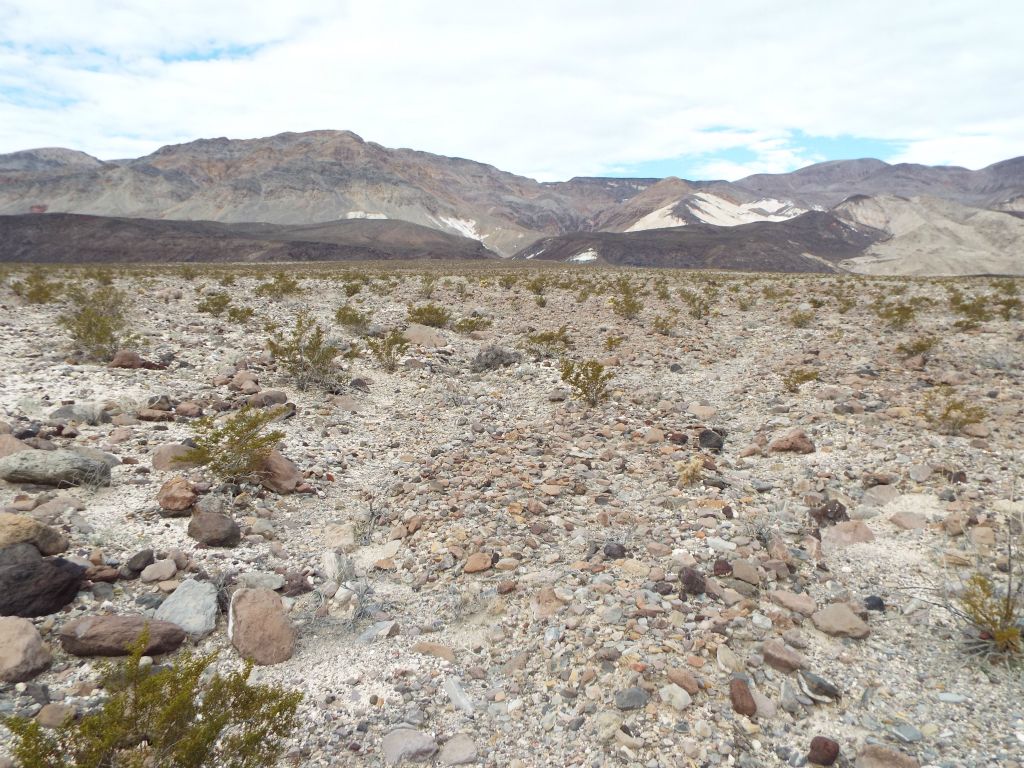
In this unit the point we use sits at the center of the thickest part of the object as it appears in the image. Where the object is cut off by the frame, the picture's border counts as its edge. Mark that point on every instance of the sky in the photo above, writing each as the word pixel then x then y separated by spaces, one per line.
pixel 549 89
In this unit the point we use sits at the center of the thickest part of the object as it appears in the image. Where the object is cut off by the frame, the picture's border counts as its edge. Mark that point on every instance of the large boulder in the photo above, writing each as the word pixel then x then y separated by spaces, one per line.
pixel 111 635
pixel 23 655
pixel 89 413
pixel 22 529
pixel 38 587
pixel 259 628
pixel 61 468
pixel 192 606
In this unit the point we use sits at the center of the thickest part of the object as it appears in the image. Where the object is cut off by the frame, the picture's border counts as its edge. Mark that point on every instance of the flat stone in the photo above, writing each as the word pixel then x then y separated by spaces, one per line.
pixel 839 619
pixel 794 441
pixel 878 756
pixel 675 696
pixel 631 698
pixel 477 562
pixel 214 530
pixel 458 750
pixel 880 495
pixel 781 657
pixel 168 457
pixel 741 698
pixel 435 649
pixel 61 468
pixel 409 744
pixel 792 601
pixel 192 606
pixel 54 715
pixel 909 521
pixel 109 635
pixel 161 570
pixel 844 534
pixel 279 474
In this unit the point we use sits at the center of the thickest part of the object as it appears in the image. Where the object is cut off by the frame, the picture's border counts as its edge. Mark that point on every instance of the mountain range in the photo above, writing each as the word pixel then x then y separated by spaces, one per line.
pixel 332 195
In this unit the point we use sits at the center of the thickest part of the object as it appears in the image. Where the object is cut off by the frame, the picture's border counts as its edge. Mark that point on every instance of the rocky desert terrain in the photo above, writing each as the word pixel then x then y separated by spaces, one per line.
pixel 749 553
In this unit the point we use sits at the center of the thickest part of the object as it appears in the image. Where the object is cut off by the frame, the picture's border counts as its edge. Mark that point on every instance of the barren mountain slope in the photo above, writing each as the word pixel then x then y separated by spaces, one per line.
pixel 75 238
pixel 935 237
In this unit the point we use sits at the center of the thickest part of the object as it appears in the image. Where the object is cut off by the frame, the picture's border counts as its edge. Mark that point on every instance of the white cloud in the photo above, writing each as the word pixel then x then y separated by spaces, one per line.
pixel 545 89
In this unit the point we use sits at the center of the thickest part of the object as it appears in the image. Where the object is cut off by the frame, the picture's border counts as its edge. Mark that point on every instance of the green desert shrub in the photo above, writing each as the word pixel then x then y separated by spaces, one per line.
pixel 388 350
pixel 433 315
pixel 306 354
pixel 470 324
pixel 214 303
pixel 352 319
pixel 280 285
pixel 801 319
pixel 35 288
pixel 947 412
pixel 995 615
pixel 240 315
pixel 174 716
pixel 626 302
pixel 97 320
pixel 922 345
pixel 588 380
pixel 797 377
pixel 237 446
pixel 545 344
pixel 895 314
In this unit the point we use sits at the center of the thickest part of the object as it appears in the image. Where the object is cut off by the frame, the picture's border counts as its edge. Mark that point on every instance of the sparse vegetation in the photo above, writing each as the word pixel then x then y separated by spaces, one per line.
pixel 689 472
pixel 241 315
pixel 626 303
pixel 35 288
pixel 801 319
pixel 922 345
pixel 948 413
pixel 588 380
pixel 174 716
pixel 470 324
pixel 895 314
pixel 388 350
pixel 433 315
pixel 237 446
pixel 797 377
pixel 545 344
pixel 279 286
pixel 306 354
pixel 214 303
pixel 96 320
pixel 352 319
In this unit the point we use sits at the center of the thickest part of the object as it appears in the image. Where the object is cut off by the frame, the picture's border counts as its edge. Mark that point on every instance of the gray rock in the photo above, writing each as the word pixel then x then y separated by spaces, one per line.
pixel 60 468
pixel 38 587
pixel 87 413
pixel 493 357
pixel 407 744
pixel 214 530
pixel 192 606
pixel 631 698
pixel 459 698
pixel 458 750
pixel 260 580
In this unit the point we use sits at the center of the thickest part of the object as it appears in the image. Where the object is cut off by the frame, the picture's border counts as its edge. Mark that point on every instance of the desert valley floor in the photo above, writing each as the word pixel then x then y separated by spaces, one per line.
pixel 755 540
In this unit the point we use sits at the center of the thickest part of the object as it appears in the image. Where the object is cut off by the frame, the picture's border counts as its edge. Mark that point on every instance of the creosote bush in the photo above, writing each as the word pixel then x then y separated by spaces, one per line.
pixel 279 286
pixel 470 324
pixel 948 413
pixel 801 319
pixel 306 354
pixel 389 349
pixel 241 315
pixel 175 716
pixel 430 314
pixel 214 303
pixel 96 320
pixel 352 319
pixel 922 345
pixel 793 379
pixel 544 344
pixel 626 303
pixel 588 380
pixel 997 619
pixel 35 288
pixel 237 446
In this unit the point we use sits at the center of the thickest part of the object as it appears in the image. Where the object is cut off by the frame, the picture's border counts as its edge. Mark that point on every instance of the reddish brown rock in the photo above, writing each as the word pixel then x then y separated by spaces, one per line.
pixel 841 535
pixel 839 619
pixel 259 628
pixel 176 496
pixel 794 441
pixel 477 562
pixel 279 474
pixel 782 657
pixel 823 751
pixel 741 697
pixel 683 679
pixel 111 635
pixel 22 529
pixel 126 358
pixel 189 409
